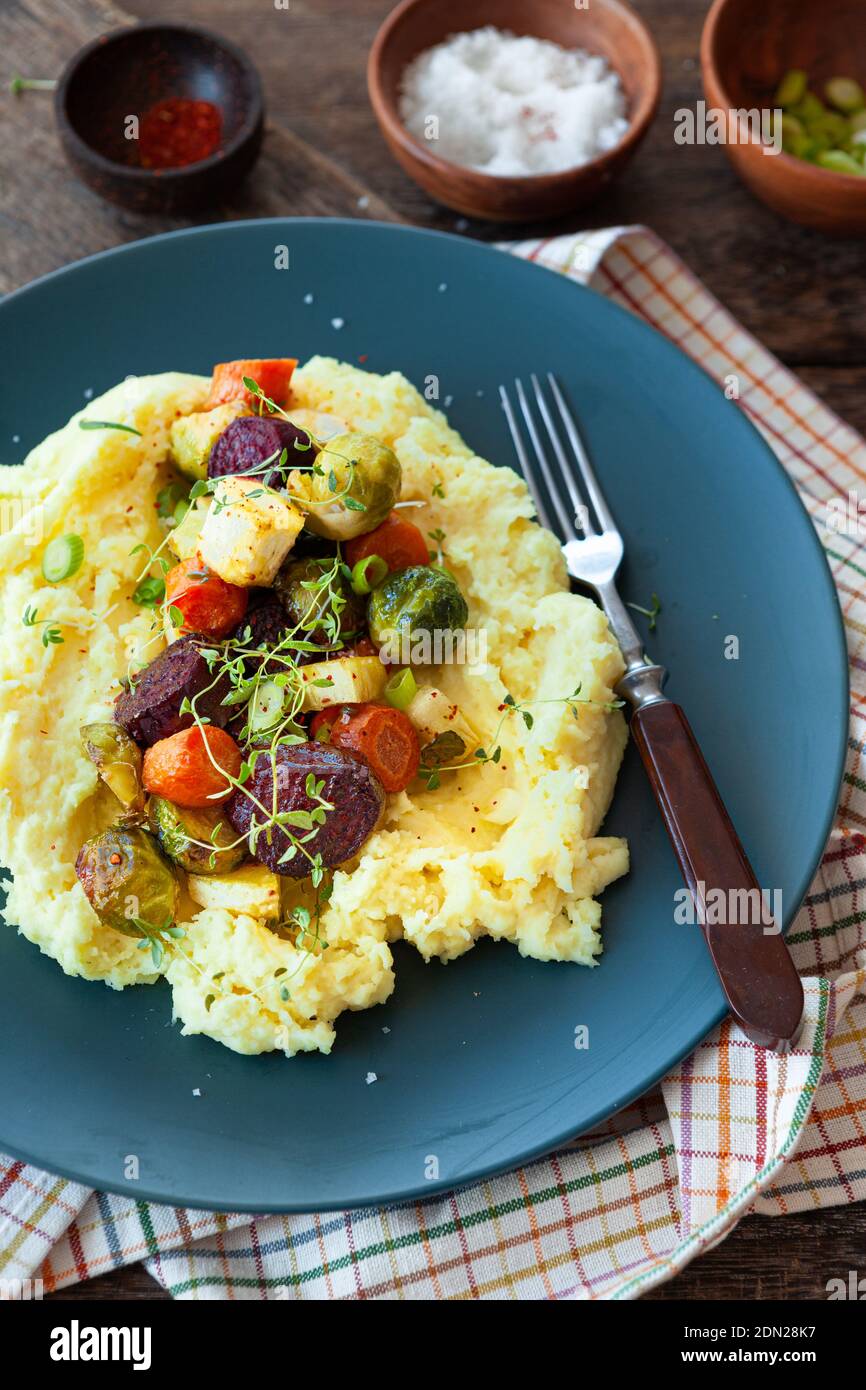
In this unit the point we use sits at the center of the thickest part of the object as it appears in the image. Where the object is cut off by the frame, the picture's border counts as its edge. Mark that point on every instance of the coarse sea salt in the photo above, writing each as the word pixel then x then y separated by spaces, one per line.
pixel 512 106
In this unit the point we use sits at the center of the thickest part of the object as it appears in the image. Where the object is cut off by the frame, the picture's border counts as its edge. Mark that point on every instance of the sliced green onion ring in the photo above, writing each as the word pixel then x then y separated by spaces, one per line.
pixel 368 573
pixel 62 558
pixel 401 689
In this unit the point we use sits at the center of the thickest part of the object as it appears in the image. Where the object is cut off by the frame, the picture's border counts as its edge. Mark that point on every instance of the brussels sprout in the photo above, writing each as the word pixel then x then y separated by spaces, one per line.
pixel 410 607
pixel 310 609
pixel 178 827
pixel 117 760
pixel 126 877
pixel 353 488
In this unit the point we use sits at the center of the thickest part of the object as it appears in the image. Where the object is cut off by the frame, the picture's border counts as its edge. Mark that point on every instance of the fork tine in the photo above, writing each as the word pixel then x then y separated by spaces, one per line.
pixel 566 522
pixel 581 514
pixel 590 481
pixel 540 509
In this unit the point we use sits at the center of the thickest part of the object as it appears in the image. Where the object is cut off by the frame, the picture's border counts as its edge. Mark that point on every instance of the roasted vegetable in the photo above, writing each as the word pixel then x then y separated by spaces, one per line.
pixel 384 737
pixel 248 532
pixel 347 785
pixel 343 680
pixel 253 890
pixel 254 445
pixel 267 626
pixel 271 374
pixel 192 767
pixel 355 484
pixel 183 538
pixel 117 760
pixel 322 611
pixel 150 709
pixel 207 602
pixel 200 841
pixel 409 607
pixel 126 877
pixel 433 713
pixel 192 437
pixel 398 542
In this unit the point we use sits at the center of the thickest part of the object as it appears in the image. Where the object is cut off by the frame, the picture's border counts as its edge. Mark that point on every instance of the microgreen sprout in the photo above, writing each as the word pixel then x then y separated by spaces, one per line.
pixel 651 613
pixel 51 635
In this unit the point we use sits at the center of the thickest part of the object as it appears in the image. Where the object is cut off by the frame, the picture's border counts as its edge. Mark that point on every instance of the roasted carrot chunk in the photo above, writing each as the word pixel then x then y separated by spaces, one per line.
pixel 192 767
pixel 398 542
pixel 384 738
pixel 207 602
pixel 272 375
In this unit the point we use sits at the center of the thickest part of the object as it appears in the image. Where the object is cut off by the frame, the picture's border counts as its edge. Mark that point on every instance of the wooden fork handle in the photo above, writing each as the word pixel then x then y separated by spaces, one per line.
pixel 754 965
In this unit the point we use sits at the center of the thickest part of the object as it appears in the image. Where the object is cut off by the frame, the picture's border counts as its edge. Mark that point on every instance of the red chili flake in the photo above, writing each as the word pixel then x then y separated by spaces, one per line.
pixel 859 840
pixel 363 357
pixel 179 131
pixel 115 858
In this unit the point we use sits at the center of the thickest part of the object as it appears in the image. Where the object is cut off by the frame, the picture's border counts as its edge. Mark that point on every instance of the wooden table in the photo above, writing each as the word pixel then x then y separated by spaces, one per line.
pixel 800 294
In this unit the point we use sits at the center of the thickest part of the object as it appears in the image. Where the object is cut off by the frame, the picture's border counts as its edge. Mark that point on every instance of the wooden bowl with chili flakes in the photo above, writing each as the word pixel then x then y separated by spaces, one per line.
pixel 160 117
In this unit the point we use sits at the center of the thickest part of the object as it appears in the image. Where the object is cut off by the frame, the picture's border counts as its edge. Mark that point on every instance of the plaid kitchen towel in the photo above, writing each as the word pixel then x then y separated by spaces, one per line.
pixel 732 1129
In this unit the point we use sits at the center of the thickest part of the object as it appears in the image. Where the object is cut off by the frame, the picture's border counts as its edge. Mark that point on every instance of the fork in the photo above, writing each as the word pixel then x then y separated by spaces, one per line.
pixel 754 966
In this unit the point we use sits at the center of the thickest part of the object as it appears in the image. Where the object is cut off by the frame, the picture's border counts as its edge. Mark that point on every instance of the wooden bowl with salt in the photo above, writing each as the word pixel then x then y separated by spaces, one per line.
pixel 605 27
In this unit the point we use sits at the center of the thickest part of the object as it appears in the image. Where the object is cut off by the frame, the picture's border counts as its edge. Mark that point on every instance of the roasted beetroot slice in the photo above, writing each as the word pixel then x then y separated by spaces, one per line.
pixel 355 793
pixel 151 709
pixel 247 443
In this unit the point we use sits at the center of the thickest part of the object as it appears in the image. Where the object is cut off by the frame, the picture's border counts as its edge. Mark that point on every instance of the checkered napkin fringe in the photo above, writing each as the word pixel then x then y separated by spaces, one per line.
pixel 732 1129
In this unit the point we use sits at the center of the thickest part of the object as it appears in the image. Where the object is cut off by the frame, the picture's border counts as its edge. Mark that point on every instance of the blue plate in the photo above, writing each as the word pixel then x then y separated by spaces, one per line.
pixel 479 1070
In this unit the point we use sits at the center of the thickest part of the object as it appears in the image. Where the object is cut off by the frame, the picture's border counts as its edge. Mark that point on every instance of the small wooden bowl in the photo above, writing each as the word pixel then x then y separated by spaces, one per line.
pixel 745 49
pixel 126 72
pixel 607 27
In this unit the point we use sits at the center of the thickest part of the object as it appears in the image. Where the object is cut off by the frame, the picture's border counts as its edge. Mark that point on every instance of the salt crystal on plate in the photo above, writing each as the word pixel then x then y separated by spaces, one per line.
pixel 371 1077
pixel 308 299
pixel 512 106
pixel 337 323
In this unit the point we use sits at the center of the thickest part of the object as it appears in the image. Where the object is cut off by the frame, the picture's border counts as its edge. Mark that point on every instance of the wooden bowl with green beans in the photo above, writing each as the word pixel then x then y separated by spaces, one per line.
pixel 802 66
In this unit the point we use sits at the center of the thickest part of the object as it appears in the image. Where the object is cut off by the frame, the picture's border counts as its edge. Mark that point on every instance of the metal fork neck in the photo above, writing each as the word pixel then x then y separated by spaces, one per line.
pixel 642 685
pixel 643 680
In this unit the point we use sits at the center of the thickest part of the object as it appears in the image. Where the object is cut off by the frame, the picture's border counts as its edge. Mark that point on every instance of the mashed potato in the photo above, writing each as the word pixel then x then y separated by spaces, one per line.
pixel 508 849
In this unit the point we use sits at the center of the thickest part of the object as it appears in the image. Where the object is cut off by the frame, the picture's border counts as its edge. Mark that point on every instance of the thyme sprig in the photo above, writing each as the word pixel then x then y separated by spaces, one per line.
pixel 157 938
pixel 509 707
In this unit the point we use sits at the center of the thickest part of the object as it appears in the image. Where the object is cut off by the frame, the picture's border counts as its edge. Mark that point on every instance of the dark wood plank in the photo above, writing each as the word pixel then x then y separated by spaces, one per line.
pixel 49 219
pixel 794 289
